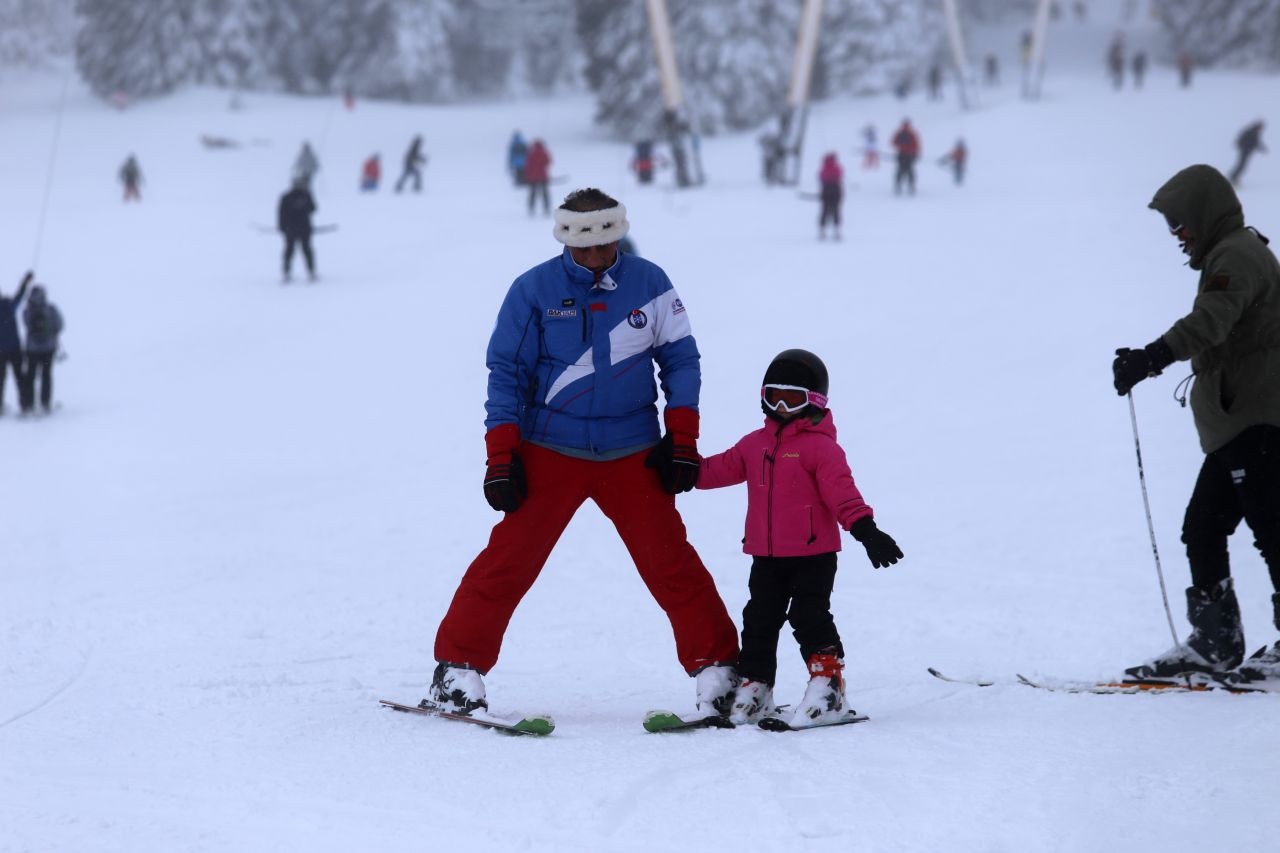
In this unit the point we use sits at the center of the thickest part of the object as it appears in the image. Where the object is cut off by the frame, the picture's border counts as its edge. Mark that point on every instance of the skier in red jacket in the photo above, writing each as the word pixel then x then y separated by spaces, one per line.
pixel 831 177
pixel 907 144
pixel 797 504
pixel 537 175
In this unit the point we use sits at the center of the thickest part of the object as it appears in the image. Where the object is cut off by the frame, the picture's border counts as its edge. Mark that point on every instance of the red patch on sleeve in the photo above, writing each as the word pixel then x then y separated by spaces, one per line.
pixel 1218 282
pixel 598 306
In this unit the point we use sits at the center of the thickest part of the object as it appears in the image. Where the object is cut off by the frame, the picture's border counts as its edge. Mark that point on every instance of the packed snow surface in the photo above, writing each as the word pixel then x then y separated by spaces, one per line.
pixel 245 522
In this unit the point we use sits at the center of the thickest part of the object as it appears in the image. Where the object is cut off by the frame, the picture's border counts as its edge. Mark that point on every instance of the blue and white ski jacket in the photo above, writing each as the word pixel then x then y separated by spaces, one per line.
pixel 571 358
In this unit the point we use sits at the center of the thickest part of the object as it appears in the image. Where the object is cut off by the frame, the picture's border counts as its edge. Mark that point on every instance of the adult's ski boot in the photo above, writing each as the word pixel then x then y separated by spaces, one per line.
pixel 1216 642
pixel 715 687
pixel 457 689
pixel 1264 664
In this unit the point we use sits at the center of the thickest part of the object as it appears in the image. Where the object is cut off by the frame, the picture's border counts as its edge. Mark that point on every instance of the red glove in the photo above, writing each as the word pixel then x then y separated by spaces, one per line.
pixel 676 456
pixel 504 483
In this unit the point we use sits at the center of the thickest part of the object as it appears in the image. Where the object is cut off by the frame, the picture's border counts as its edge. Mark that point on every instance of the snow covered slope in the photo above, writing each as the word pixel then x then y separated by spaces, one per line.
pixel 245 523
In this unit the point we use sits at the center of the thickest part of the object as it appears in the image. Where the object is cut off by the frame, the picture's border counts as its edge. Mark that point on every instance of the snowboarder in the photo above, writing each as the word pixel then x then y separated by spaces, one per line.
pixel 831 179
pixel 643 161
pixel 11 346
pixel 1249 141
pixel 570 419
pixel 1139 68
pixel 907 145
pixel 1230 338
pixel 517 153
pixel 537 174
pixel 1115 60
pixel 131 177
pixel 293 219
pixel 370 174
pixel 44 325
pixel 956 158
pixel 413 158
pixel 870 148
pixel 796 509
pixel 305 166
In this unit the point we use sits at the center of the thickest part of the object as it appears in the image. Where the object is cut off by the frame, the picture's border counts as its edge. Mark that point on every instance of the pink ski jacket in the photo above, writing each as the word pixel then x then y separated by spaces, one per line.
pixel 800 492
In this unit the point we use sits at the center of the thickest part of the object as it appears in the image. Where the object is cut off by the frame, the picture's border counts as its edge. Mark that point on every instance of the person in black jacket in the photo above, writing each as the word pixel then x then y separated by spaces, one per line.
pixel 11 345
pixel 294 221
pixel 413 159
pixel 1249 141
pixel 44 324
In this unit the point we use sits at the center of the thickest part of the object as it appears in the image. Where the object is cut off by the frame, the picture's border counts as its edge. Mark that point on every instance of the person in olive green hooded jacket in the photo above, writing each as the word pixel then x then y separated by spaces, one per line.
pixel 1232 337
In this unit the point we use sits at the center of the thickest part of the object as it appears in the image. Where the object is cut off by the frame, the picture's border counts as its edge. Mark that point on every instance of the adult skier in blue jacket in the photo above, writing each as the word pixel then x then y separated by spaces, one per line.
pixel 572 414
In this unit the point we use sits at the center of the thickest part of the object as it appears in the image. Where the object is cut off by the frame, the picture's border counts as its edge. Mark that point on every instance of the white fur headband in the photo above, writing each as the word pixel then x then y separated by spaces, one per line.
pixel 591 227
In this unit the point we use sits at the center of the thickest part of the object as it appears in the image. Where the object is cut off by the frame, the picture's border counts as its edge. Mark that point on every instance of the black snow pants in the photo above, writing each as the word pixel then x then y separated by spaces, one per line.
pixel 830 206
pixel 906 174
pixel 1238 170
pixel 538 190
pixel 1240 481
pixel 40 364
pixel 410 172
pixel 13 359
pixel 787 589
pixel 303 240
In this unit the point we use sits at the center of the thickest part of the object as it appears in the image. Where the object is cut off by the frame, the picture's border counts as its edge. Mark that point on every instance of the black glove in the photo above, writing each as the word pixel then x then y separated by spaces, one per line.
pixel 1134 365
pixel 677 464
pixel 505 487
pixel 882 551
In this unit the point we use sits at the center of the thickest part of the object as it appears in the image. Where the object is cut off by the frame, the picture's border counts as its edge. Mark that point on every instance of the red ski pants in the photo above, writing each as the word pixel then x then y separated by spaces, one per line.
pixel 650 526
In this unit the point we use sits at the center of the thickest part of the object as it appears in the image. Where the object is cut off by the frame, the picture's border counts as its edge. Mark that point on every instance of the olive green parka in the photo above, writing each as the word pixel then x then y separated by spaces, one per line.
pixel 1232 334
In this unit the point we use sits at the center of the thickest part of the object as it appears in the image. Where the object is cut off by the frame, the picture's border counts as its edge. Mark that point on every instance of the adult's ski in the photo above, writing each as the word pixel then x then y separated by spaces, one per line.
pixel 667 721
pixel 1195 682
pixel 536 725
pixel 778 724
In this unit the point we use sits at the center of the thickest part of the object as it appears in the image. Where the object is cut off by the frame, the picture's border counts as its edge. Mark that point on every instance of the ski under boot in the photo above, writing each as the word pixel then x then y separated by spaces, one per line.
pixel 824 697
pixel 715 687
pixel 457 689
pixel 751 701
pixel 1216 643
pixel 1264 664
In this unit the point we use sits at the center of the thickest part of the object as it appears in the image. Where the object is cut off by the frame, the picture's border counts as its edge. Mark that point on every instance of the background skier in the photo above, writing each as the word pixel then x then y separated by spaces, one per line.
pixel 306 165
pixel 956 158
pixel 44 325
pixel 831 178
pixel 1232 337
pixel 642 163
pixel 571 416
pixel 413 159
pixel 1249 141
pixel 293 219
pixel 907 145
pixel 131 177
pixel 537 174
pixel 11 358
pixel 517 152
pixel 370 174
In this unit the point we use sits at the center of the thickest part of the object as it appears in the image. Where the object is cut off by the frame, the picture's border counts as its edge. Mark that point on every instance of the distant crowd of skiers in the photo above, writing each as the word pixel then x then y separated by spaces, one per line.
pixel 30 361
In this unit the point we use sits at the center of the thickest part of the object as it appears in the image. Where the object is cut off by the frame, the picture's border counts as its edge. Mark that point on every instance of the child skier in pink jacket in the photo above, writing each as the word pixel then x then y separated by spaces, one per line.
pixel 800 494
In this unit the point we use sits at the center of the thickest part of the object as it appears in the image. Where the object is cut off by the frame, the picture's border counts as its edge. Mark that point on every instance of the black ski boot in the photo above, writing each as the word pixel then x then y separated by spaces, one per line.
pixel 1216 643
pixel 1264 664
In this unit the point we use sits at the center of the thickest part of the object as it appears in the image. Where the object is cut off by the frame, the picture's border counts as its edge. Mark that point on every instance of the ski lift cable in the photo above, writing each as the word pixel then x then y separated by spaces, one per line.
pixel 49 168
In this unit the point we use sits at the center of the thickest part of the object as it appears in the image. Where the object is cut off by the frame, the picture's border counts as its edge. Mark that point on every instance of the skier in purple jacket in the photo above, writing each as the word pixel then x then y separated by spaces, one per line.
pixel 800 494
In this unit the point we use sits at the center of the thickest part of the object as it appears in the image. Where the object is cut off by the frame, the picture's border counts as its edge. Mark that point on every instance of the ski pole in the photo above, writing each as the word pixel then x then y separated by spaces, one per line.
pixel 1151 528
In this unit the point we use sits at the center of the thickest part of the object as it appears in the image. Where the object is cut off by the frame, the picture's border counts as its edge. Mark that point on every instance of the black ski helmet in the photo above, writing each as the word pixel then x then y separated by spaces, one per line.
pixel 797 367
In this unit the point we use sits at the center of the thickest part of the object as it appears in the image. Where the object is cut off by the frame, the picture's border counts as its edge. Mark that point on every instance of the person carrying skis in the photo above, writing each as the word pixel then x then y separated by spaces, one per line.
pixel 44 325
pixel 370 174
pixel 306 166
pixel 11 346
pixel 907 145
pixel 517 152
pixel 1232 337
pixel 413 159
pixel 537 174
pixel 831 178
pixel 571 415
pixel 1249 141
pixel 796 509
pixel 293 219
pixel 956 158
pixel 131 177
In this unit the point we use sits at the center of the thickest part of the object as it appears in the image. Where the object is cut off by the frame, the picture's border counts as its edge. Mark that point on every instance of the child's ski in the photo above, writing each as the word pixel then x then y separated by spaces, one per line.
pixel 666 721
pixel 538 724
pixel 977 682
pixel 777 724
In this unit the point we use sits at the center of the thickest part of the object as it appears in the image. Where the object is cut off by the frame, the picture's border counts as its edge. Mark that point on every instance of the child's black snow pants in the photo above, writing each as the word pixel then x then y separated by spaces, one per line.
pixel 787 589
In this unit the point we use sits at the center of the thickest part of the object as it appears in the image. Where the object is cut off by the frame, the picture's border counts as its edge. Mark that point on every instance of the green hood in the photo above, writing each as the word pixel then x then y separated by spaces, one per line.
pixel 1204 201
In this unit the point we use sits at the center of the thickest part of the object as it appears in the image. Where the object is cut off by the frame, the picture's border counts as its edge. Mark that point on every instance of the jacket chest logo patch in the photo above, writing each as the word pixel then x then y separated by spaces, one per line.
pixel 637 319
pixel 562 312
pixel 566 303
pixel 791 455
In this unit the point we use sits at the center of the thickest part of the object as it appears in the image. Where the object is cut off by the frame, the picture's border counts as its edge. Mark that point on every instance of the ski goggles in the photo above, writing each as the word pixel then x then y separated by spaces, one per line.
pixel 1174 225
pixel 791 398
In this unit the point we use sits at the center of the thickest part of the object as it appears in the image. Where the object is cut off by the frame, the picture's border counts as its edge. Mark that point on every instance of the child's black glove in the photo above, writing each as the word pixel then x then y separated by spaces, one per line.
pixel 881 549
